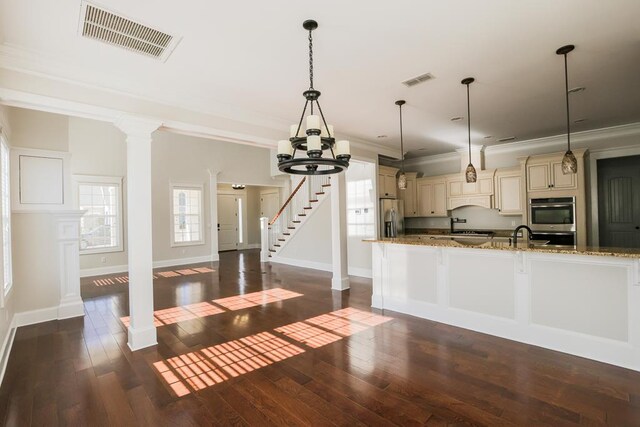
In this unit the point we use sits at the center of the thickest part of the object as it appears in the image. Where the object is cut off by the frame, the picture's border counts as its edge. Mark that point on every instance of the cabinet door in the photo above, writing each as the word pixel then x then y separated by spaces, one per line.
pixel 509 195
pixel 409 197
pixel 425 202
pixel 538 177
pixel 390 186
pixel 439 201
pixel 561 181
pixel 381 186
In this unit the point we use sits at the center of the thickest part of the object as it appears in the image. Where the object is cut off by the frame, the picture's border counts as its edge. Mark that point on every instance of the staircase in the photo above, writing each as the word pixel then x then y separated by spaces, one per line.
pixel 293 213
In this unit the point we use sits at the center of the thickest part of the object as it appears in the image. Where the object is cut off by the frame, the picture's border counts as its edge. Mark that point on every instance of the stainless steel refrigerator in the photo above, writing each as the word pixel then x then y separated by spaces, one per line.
pixel 391 217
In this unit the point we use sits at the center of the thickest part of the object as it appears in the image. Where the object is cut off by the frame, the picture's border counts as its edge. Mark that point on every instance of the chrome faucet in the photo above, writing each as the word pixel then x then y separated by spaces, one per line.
pixel 515 233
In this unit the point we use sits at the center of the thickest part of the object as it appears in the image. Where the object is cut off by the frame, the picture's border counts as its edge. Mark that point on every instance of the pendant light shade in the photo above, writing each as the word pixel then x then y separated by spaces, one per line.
pixel 569 162
pixel 470 173
pixel 402 178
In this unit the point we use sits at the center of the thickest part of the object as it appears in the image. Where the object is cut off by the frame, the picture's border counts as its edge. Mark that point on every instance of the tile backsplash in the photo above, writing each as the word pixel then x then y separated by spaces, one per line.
pixel 478 218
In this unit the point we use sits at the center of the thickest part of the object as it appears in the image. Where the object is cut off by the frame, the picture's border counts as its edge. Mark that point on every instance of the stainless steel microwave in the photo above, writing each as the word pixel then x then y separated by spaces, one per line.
pixel 552 214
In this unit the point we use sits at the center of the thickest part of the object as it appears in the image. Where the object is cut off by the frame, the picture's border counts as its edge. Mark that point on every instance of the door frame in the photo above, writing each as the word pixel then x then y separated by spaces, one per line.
pixel 594 156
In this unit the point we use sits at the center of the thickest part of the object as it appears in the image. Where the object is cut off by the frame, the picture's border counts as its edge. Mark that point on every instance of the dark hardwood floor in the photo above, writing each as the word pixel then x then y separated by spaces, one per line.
pixel 264 360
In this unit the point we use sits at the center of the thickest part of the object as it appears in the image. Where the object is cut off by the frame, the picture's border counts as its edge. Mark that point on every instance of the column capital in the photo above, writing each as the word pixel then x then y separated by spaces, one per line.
pixel 140 127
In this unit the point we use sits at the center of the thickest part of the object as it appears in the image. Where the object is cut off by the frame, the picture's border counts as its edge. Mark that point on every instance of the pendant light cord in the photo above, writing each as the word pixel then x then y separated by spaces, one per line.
pixel 401 141
pixel 566 92
pixel 469 122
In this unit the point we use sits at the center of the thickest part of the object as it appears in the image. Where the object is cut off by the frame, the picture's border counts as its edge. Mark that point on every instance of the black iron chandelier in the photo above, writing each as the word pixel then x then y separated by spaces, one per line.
pixel 318 138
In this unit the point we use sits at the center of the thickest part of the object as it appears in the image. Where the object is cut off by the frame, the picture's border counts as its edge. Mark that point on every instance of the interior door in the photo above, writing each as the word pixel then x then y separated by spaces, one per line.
pixel 227 222
pixel 269 204
pixel 619 202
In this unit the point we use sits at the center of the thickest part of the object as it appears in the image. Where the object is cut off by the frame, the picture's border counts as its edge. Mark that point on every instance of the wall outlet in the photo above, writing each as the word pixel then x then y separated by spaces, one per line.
pixel 184 251
pixel 513 223
pixel 103 259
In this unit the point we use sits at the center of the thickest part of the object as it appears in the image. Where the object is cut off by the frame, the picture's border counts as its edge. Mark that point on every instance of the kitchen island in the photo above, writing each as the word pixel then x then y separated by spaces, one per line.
pixel 583 301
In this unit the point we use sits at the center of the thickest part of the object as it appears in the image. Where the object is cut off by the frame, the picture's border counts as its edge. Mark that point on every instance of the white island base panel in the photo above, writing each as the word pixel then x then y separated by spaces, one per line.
pixel 588 306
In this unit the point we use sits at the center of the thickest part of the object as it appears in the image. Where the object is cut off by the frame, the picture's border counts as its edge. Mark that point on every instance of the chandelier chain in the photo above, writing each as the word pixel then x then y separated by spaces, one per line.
pixel 310 60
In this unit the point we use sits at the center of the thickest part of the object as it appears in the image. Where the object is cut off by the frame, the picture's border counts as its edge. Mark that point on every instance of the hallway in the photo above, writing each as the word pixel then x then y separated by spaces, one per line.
pixel 290 351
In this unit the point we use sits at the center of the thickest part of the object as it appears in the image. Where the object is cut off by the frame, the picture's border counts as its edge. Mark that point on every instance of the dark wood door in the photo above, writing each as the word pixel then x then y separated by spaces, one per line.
pixel 619 202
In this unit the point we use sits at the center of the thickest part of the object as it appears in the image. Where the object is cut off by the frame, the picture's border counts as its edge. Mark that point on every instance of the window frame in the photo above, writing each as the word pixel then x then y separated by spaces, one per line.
pixel 7 287
pixel 102 180
pixel 186 186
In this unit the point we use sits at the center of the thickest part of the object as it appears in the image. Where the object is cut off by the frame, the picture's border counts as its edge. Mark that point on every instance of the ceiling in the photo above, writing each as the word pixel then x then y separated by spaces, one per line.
pixel 248 61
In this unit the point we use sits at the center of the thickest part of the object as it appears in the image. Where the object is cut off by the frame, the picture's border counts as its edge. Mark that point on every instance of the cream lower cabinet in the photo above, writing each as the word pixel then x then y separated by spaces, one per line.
pixel 510 199
pixel 432 197
pixel 409 196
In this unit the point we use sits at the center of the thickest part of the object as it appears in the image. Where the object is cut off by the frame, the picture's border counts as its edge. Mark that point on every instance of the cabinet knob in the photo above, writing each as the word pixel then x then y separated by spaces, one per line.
pixel 638 227
pixel 432 212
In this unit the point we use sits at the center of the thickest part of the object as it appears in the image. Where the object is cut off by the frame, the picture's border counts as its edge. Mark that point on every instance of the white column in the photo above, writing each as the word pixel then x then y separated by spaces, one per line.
pixel 142 332
pixel 264 239
pixel 68 234
pixel 213 213
pixel 340 279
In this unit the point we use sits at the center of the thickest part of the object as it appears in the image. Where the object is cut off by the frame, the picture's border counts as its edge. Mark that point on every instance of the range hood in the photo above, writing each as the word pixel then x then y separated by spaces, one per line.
pixel 479 193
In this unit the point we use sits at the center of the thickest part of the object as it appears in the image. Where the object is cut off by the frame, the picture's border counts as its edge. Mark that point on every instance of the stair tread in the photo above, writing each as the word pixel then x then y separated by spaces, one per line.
pixel 307 207
pixel 326 185
pixel 296 222
pixel 313 201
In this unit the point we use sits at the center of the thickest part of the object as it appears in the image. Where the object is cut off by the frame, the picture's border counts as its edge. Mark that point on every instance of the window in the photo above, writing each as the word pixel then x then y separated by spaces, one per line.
pixel 101 225
pixel 187 215
pixel 360 208
pixel 5 200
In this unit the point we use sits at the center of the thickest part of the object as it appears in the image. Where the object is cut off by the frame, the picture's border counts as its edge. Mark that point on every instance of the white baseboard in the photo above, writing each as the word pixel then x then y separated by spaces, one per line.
pixel 360 272
pixel 353 271
pixel 114 269
pixel 183 261
pixel 5 351
pixel 302 263
pixel 253 246
pixel 32 317
pixel 100 271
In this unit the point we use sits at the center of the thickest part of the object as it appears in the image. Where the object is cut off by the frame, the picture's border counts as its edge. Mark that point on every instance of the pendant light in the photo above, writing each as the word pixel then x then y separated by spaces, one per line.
pixel 569 162
pixel 470 173
pixel 318 136
pixel 402 178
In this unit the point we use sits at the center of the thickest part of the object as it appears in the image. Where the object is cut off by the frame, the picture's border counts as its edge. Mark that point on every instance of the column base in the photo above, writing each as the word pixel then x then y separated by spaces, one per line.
pixel 70 308
pixel 142 338
pixel 340 284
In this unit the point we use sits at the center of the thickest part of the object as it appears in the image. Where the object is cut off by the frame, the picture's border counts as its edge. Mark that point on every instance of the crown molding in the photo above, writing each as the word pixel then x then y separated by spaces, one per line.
pixel 40 64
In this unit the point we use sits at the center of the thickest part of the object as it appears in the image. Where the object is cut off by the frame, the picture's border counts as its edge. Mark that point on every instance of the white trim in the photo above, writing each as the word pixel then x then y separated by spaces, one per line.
pixel 97 180
pixel 361 272
pixel 5 350
pixel 124 268
pixel 173 186
pixel 32 317
pixel 184 261
pixel 101 271
pixel 302 263
pixel 253 246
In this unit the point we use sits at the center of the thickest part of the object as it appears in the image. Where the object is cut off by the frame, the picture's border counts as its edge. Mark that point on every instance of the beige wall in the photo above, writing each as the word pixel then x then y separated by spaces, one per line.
pixel 35 129
pixel 99 148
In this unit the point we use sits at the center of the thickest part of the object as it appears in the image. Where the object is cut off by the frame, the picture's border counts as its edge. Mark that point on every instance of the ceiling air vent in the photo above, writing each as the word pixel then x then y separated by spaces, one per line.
pixel 99 24
pixel 417 80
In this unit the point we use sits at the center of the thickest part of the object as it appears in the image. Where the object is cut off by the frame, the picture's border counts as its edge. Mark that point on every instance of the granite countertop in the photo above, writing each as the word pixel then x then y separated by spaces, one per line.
pixel 422 240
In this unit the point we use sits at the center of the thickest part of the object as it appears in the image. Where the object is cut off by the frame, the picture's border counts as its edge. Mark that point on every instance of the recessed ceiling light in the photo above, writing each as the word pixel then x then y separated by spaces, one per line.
pixel 488 137
pixel 381 136
pixel 509 138
pixel 456 119
pixel 580 120
pixel 577 89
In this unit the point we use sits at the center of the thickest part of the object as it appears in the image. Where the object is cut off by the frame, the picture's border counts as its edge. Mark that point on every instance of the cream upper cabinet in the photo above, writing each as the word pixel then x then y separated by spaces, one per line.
pixel 462 193
pixel 432 197
pixel 509 197
pixel 545 174
pixel 387 186
pixel 409 196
